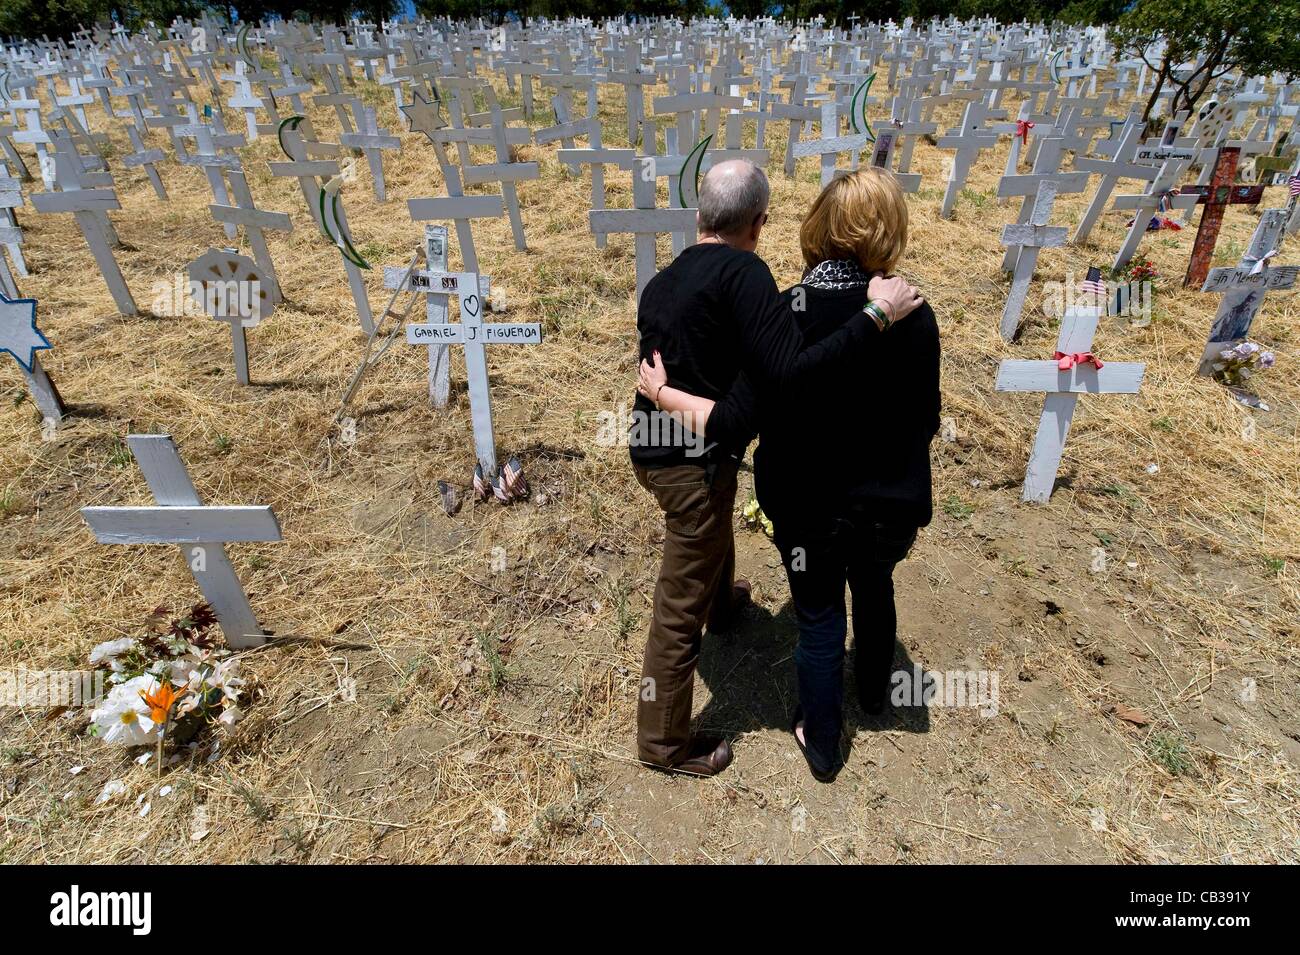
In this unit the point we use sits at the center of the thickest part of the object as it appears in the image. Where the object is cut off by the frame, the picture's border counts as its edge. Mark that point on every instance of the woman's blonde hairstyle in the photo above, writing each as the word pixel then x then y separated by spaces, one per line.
pixel 860 216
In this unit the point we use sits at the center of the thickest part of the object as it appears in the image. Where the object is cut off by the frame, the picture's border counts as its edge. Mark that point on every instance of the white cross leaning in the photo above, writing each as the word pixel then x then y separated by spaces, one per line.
pixel 831 144
pixel 179 517
pixel 1245 285
pixel 1023 240
pixel 1064 379
pixel 87 207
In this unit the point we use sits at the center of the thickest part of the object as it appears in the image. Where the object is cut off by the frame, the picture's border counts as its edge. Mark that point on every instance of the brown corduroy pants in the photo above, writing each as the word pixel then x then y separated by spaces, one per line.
pixel 694 589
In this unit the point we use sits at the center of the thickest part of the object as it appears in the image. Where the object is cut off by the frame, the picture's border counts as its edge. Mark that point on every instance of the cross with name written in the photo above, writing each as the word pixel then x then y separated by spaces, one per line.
pixel 474 335
pixel 1244 286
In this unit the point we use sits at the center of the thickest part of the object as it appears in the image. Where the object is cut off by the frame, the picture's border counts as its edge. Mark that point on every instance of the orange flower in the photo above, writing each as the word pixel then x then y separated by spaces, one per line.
pixel 161 701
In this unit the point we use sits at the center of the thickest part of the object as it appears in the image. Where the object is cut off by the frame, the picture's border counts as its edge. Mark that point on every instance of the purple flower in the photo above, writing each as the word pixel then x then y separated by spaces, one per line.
pixel 1267 360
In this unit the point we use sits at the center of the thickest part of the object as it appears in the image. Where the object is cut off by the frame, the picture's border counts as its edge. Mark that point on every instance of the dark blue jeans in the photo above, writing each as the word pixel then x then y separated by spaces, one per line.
pixel 819 561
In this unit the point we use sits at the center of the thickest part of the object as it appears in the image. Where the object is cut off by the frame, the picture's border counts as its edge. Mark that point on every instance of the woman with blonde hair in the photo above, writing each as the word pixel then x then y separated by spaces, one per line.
pixel 843 464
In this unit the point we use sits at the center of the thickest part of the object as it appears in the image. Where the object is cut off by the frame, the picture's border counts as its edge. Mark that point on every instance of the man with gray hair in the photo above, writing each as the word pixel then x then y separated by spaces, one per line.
pixel 715 316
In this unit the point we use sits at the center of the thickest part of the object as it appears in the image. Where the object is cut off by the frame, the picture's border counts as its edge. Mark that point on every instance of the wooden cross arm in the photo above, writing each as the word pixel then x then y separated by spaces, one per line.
pixel 455 207
pixel 77 200
pixel 237 215
pixel 1027 185
pixel 310 167
pixel 1028 234
pixel 835 144
pixel 1115 377
pixel 370 141
pixel 1238 277
pixel 182 525
pixel 622 158
pixel 605 221
pixel 550 134
pixel 500 172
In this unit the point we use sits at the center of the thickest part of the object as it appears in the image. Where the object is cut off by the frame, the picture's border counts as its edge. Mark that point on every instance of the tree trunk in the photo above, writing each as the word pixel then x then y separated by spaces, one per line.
pixel 1155 90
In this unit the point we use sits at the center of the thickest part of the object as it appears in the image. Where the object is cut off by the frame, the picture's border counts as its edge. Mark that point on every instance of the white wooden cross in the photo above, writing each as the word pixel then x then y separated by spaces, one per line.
pixel 831 143
pixel 1161 194
pixel 644 220
pixel 504 171
pixel 1244 286
pixel 145 158
pixel 326 208
pixel 1119 166
pixel 1025 239
pixel 1073 371
pixel 968 140
pixel 474 335
pixel 1046 167
pixel 245 213
pixel 179 517
pixel 89 207
pixel 21 338
pixel 371 140
pixel 597 156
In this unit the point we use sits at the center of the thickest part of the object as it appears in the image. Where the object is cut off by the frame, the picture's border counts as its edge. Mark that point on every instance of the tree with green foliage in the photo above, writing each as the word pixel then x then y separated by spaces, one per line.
pixel 1212 37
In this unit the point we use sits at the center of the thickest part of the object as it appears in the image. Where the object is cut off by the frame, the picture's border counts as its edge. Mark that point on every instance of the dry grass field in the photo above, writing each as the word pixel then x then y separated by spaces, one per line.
pixel 493 718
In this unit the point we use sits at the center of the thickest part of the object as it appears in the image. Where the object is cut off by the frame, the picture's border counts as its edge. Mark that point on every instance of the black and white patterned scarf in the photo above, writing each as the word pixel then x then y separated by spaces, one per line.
pixel 836 274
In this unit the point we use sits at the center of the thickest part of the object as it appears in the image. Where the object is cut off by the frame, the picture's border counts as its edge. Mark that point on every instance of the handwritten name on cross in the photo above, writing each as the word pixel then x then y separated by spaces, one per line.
pixel 1244 286
pixel 473 335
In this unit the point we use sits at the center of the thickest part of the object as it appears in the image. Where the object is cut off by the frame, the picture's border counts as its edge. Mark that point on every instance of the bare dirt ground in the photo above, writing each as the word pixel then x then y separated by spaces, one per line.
pixel 1147 711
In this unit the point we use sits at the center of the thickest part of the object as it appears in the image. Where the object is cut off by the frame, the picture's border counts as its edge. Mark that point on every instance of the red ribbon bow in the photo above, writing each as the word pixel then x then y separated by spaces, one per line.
pixel 1067 361
pixel 1023 126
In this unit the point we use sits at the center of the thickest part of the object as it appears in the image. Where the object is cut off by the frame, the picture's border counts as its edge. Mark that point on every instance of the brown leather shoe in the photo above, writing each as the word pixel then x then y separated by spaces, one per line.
pixel 708 759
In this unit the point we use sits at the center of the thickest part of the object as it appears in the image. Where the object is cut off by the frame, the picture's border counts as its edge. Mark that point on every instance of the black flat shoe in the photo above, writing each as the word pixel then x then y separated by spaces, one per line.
pixel 819 775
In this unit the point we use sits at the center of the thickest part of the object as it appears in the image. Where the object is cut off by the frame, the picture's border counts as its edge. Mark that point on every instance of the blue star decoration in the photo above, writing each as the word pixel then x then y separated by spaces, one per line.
pixel 19 335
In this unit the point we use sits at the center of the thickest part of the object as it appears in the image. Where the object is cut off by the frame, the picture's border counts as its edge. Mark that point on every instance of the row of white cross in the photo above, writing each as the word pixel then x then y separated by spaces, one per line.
pixel 969 73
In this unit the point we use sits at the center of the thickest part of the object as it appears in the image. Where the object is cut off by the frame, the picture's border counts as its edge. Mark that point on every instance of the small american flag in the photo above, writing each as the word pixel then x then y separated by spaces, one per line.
pixel 1092 284
pixel 1294 185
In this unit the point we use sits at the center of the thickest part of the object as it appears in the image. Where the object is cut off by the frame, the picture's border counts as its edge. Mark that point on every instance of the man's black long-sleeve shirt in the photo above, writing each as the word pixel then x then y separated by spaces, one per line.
pixel 724 332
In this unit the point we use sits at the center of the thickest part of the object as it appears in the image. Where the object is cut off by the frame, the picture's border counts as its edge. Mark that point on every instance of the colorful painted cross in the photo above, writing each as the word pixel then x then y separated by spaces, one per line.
pixel 1244 286
pixel 1216 197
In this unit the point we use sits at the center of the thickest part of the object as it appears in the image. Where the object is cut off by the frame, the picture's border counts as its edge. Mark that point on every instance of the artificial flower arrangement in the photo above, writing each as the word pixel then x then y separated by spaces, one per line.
pixel 1142 271
pixel 1236 364
pixel 755 518
pixel 168 684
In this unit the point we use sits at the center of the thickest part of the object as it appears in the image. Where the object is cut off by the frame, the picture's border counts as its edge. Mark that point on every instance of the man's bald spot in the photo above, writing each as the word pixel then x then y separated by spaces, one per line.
pixel 733 195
